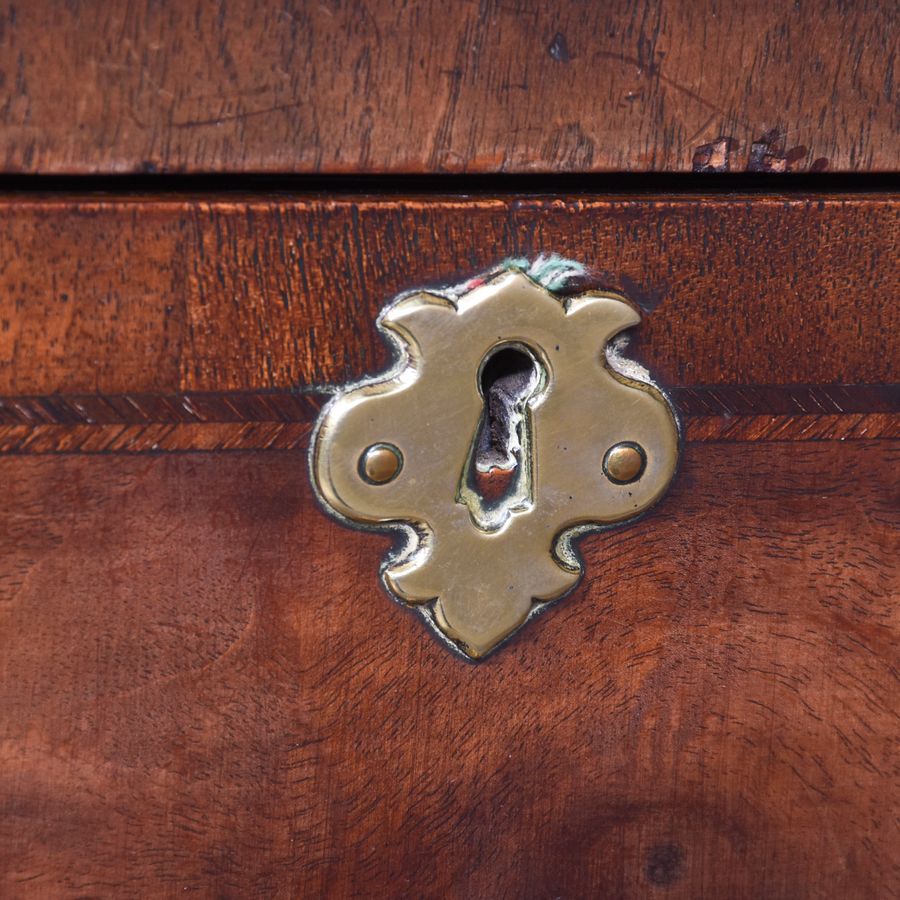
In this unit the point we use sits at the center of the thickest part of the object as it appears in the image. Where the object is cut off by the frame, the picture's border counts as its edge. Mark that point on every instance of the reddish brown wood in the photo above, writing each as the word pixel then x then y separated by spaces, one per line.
pixel 130 296
pixel 266 434
pixel 841 427
pixel 200 407
pixel 394 86
pixel 217 436
pixel 203 689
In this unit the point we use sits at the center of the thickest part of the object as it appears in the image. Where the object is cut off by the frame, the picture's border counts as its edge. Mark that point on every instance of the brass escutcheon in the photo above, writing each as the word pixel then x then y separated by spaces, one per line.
pixel 492 480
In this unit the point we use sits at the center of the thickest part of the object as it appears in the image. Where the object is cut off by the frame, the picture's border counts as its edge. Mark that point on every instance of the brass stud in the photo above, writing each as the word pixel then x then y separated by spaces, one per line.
pixel 624 463
pixel 380 463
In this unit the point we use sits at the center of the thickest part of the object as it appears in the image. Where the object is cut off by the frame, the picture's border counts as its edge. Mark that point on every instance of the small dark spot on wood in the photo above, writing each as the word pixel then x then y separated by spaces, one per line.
pixel 713 157
pixel 559 49
pixel 665 863
pixel 762 160
pixel 768 154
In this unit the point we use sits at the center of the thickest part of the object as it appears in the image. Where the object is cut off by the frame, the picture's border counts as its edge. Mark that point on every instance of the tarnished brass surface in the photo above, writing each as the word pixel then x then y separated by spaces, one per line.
pixel 380 463
pixel 476 575
pixel 624 463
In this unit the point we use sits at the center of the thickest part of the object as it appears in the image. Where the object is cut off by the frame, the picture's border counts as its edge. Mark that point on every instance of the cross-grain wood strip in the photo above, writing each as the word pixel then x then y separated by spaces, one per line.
pixel 182 408
pixel 197 421
pixel 444 86
pixel 223 436
pixel 160 438
pixel 285 406
pixel 134 296
pixel 847 427
pixel 783 399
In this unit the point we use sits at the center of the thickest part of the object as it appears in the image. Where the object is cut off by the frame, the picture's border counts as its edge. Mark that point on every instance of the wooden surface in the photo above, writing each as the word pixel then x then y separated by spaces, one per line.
pixel 139 325
pixel 205 692
pixel 133 296
pixel 203 688
pixel 496 86
pixel 184 425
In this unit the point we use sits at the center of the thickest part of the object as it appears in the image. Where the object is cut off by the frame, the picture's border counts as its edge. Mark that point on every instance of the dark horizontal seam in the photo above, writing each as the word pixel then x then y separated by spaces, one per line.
pixel 438 184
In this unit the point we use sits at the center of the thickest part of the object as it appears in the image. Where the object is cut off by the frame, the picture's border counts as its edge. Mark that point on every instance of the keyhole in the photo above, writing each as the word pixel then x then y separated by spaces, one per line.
pixel 498 474
pixel 508 379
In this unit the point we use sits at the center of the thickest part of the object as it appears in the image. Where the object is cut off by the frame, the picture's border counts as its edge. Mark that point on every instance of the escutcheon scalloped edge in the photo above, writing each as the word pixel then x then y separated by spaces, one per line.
pixel 477 585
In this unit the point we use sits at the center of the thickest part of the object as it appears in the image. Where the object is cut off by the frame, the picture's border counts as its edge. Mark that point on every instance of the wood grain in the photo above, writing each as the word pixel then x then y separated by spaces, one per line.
pixel 204 690
pixel 159 423
pixel 495 86
pixel 137 296
pixel 219 437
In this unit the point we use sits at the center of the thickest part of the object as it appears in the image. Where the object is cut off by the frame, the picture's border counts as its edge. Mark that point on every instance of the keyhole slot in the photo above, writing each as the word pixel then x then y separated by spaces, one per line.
pixel 497 478
pixel 508 377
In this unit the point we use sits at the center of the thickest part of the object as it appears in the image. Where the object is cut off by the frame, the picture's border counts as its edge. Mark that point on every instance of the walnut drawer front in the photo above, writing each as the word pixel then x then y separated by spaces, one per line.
pixel 204 686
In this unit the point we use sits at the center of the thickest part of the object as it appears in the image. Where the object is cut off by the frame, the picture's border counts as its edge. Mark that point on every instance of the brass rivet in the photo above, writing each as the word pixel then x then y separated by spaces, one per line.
pixel 380 463
pixel 624 462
